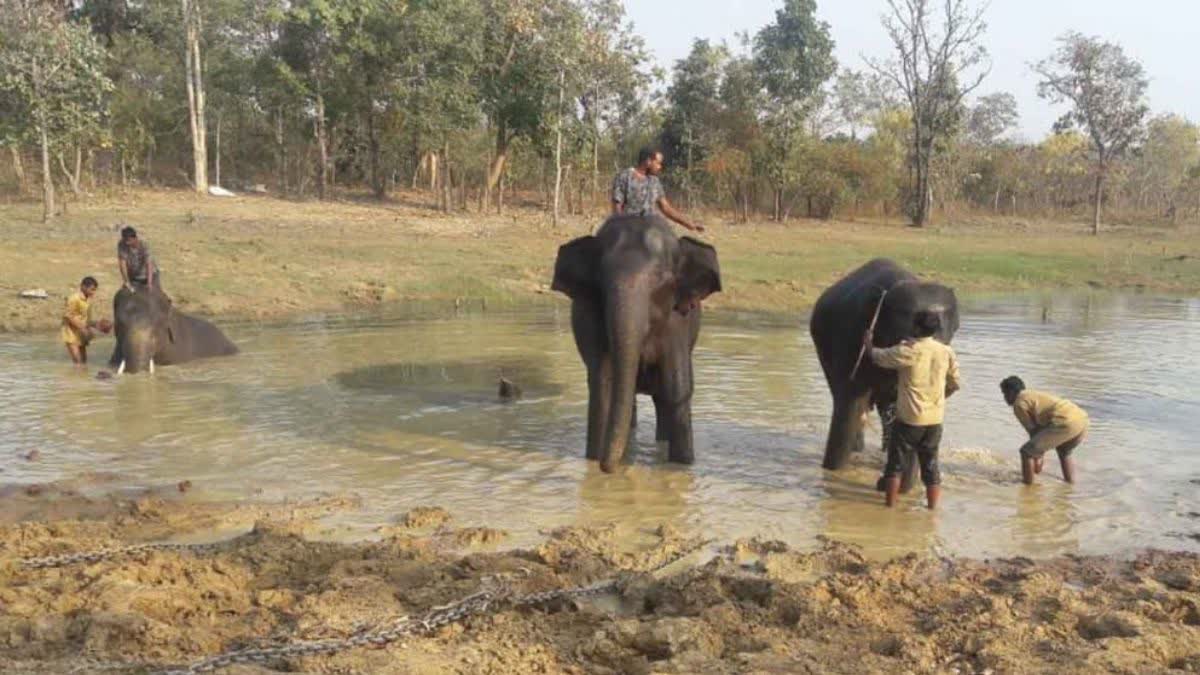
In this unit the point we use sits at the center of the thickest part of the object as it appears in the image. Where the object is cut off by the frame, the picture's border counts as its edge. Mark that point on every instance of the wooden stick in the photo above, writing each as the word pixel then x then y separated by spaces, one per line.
pixel 863 349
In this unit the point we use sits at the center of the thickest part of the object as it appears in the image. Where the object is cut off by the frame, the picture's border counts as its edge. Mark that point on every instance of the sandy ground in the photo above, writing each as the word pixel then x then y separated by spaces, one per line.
pixel 744 607
pixel 261 258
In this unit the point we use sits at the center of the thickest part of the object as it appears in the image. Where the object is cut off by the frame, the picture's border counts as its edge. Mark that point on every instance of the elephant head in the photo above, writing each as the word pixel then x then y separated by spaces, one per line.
pixel 904 300
pixel 640 281
pixel 145 328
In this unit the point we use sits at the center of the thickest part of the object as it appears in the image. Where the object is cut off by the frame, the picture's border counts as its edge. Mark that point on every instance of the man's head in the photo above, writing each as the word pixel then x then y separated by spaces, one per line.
pixel 650 160
pixel 1011 387
pixel 926 323
pixel 88 286
pixel 128 236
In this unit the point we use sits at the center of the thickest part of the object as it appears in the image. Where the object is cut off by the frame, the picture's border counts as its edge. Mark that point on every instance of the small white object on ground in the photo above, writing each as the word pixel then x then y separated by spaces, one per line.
pixel 34 294
pixel 218 191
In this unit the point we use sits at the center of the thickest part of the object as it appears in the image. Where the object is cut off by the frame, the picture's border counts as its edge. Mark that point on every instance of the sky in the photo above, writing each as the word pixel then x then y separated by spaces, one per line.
pixel 1163 34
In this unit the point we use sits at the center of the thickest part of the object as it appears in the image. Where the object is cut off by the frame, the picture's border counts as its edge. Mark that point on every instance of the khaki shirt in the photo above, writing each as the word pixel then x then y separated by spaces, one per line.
pixel 1036 410
pixel 928 373
pixel 80 309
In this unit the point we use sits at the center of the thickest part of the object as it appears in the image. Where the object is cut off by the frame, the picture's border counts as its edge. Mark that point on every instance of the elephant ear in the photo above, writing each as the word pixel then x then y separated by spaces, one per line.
pixel 699 274
pixel 576 266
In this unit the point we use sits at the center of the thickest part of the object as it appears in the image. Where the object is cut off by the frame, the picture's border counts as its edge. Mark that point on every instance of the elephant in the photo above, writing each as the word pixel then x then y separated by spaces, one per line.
pixel 839 319
pixel 150 331
pixel 635 289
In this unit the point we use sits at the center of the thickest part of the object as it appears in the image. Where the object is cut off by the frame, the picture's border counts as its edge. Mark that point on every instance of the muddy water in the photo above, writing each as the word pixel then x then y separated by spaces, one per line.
pixel 404 413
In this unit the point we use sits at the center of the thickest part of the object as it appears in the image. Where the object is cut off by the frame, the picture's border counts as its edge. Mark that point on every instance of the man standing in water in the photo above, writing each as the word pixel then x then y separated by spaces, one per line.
pixel 1052 422
pixel 927 373
pixel 638 191
pixel 77 323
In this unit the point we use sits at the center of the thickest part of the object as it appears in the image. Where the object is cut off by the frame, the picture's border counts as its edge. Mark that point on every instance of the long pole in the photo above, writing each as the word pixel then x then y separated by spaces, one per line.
pixel 863 349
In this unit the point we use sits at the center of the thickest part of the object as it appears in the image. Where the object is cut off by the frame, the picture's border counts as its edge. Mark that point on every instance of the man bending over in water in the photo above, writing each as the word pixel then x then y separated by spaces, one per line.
pixel 1052 422
pixel 927 373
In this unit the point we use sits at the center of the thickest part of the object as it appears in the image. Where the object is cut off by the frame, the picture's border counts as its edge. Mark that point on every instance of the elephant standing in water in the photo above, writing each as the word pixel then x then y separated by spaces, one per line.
pixel 839 319
pixel 150 331
pixel 635 289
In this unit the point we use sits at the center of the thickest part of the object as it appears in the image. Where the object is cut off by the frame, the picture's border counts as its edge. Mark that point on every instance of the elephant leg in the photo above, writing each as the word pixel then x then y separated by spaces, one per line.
pixel 675 393
pixel 599 397
pixel 845 427
pixel 887 415
pixel 662 420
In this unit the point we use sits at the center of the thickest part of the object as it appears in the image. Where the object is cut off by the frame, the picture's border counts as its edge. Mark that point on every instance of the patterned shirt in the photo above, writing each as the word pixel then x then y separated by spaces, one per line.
pixel 638 194
pixel 927 372
pixel 136 259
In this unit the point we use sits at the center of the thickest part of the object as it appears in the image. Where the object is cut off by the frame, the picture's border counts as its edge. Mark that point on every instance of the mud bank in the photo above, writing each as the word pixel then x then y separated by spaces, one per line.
pixel 751 606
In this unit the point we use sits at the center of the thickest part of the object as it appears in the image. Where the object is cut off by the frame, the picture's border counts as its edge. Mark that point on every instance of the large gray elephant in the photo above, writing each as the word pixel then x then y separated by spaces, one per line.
pixel 635 289
pixel 839 319
pixel 150 331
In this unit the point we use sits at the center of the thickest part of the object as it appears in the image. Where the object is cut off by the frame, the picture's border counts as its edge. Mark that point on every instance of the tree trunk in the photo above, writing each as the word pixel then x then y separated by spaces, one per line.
pixel 497 165
pixel 47 178
pixel 322 147
pixel 500 193
pixel 447 195
pixel 280 154
pixel 72 178
pixel 195 92
pixel 595 163
pixel 558 151
pixel 217 149
pixel 1098 197
pixel 377 180
pixel 18 168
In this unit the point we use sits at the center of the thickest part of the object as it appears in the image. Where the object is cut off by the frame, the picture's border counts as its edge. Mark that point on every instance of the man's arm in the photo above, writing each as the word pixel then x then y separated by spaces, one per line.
pixel 617 208
pixel 121 265
pixel 75 317
pixel 1025 417
pixel 953 383
pixel 892 358
pixel 670 212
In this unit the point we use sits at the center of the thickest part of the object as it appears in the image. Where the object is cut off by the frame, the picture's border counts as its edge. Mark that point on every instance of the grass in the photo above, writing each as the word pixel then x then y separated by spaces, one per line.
pixel 266 258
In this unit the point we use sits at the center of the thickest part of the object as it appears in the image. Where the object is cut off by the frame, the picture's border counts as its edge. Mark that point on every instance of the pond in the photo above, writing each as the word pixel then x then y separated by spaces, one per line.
pixel 404 412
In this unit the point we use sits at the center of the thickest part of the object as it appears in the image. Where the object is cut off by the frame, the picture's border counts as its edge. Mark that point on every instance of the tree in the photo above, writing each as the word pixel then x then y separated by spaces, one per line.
pixel 194 72
pixel 1107 92
pixel 937 54
pixel 1163 164
pixel 794 59
pixel 991 117
pixel 52 82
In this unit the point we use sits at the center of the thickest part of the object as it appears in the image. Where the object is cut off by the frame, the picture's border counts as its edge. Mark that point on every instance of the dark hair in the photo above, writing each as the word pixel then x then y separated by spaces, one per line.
pixel 90 282
pixel 647 153
pixel 1012 383
pixel 127 232
pixel 926 323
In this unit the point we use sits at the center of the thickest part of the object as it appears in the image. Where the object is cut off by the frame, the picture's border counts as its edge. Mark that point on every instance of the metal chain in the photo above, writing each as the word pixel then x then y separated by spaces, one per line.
pixel 97 555
pixel 478 603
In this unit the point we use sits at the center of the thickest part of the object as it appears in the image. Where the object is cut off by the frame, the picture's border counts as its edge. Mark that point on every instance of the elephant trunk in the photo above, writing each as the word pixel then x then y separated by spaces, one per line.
pixel 626 320
pixel 137 351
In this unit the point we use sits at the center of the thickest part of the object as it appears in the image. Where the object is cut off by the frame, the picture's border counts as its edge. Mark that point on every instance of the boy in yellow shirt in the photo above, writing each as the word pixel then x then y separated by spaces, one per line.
pixel 1052 422
pixel 77 323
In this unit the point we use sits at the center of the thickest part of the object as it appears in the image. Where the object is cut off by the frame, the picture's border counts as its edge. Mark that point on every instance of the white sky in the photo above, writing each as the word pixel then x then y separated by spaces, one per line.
pixel 1163 34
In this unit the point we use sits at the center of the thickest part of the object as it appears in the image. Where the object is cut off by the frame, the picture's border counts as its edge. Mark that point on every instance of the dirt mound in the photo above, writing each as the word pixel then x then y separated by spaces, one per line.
pixel 753 606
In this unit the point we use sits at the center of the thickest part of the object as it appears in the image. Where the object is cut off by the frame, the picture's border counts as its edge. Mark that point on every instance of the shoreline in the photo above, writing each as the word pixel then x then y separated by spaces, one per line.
pixel 264 259
pixel 751 605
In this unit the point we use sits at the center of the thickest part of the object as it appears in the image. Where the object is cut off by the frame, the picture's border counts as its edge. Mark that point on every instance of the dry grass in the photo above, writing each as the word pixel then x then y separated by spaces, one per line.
pixel 266 258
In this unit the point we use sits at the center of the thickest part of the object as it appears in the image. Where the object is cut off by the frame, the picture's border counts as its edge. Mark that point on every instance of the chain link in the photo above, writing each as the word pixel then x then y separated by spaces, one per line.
pixel 484 601
pixel 99 554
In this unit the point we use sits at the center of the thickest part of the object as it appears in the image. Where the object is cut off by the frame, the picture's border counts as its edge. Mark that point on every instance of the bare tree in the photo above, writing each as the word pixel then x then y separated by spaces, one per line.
pixel 195 92
pixel 1107 90
pixel 939 62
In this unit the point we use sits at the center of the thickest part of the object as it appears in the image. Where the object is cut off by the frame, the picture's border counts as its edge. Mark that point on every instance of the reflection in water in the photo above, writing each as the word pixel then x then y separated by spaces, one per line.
pixel 405 413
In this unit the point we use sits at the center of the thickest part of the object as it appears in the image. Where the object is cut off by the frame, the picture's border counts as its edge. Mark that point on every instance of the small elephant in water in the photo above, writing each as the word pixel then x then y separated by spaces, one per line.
pixel 150 331
pixel 839 319
pixel 635 289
